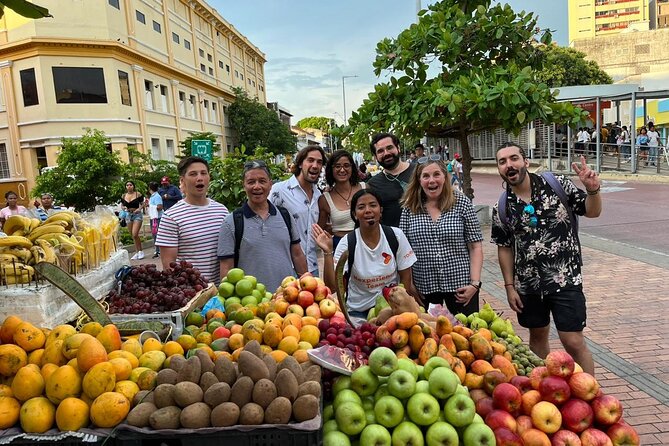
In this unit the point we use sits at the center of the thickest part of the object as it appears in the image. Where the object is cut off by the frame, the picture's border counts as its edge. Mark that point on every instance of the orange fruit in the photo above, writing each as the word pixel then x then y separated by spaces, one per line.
pixel 291 330
pixel 152 344
pixel 310 334
pixel 301 356
pixel 203 338
pixel 309 320
pixel 278 355
pixel 8 328
pixel 288 344
pixel 29 337
pixel 173 348
pixel 236 341
pixel 186 342
pixel 292 319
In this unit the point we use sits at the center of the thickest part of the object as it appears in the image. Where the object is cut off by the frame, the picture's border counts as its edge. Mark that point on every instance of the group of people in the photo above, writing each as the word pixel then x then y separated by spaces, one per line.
pixel 647 142
pixel 406 225
pixel 42 207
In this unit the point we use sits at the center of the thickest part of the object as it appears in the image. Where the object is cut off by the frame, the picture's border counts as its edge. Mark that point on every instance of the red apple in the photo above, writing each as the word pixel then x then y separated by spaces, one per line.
pixel 295 308
pixel 546 417
pixel 491 379
pixel 290 293
pixel 622 434
pixel 328 308
pixel 500 418
pixel 321 292
pixel 534 437
pixel 506 437
pixel 312 310
pixel 607 409
pixel 524 423
pixel 536 375
pixel 522 383
pixel 308 282
pixel 563 437
pixel 560 363
pixel 530 398
pixel 484 406
pixel 577 415
pixel 475 394
pixel 584 386
pixel 595 437
pixel 289 280
pixel 507 397
pixel 305 298
pixel 554 389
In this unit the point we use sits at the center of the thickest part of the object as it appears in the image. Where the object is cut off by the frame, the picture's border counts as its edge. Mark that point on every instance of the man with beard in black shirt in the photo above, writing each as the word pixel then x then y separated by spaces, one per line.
pixel 393 179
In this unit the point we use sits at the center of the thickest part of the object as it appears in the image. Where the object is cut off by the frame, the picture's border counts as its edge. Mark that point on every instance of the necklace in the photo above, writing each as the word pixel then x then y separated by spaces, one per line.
pixel 347 199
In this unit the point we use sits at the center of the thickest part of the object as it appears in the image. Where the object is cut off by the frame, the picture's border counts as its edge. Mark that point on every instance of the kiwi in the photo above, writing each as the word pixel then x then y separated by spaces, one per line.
pixel 139 415
pixel 143 396
pixel 163 395
pixel 166 376
pixel 312 373
pixel 242 391
pixel 291 364
pixel 309 388
pixel 278 411
pixel 217 394
pixel 264 392
pixel 195 416
pixel 271 366
pixel 224 369
pixel 305 408
pixel 225 414
pixel 254 347
pixel 190 371
pixel 207 380
pixel 251 414
pixel 165 418
pixel 206 364
pixel 286 384
pixel 252 366
pixel 177 362
pixel 187 393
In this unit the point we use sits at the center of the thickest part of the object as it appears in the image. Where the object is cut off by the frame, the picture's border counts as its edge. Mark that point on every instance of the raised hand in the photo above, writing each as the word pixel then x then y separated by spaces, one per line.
pixel 322 238
pixel 588 177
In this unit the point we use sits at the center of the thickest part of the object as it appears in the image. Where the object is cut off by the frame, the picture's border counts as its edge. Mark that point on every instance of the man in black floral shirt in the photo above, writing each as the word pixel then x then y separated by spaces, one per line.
pixel 539 253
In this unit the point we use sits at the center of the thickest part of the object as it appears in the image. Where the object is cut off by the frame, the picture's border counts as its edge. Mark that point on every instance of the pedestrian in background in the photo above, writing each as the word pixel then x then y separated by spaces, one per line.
pixel 169 193
pixel 11 208
pixel 132 202
pixel 155 214
pixel 642 145
pixel 653 144
pixel 45 207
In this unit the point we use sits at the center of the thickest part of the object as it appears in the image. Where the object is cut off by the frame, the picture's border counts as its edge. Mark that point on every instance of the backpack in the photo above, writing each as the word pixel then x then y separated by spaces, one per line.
pixel 559 191
pixel 238 219
pixel 352 241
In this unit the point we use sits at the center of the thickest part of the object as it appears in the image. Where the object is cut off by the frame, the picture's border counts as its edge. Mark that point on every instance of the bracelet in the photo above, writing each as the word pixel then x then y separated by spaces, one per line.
pixel 478 287
pixel 328 253
pixel 509 284
pixel 594 192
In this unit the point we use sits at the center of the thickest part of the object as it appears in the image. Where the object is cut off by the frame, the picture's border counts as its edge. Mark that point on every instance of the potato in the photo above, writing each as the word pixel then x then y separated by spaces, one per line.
pixel 252 366
pixel 251 414
pixel 271 366
pixel 309 388
pixel 291 364
pixel 278 411
pixel 206 364
pixel 312 373
pixel 166 376
pixel 254 347
pixel 286 384
pixel 305 408
pixel 143 396
pixel 242 391
pixel 195 416
pixel 217 394
pixel 225 414
pixel 165 418
pixel 163 395
pixel 224 369
pixel 207 380
pixel 177 362
pixel 190 371
pixel 264 392
pixel 187 393
pixel 139 415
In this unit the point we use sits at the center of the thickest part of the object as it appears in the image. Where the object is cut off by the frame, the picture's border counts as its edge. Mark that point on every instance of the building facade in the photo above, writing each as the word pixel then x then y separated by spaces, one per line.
pixel 146 72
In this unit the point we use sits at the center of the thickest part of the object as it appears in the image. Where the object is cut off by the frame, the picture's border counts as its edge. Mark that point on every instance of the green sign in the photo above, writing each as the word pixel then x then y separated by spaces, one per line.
pixel 201 148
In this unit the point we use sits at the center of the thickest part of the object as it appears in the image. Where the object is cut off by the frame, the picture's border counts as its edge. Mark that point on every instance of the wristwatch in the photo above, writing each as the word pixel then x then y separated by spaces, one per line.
pixel 476 285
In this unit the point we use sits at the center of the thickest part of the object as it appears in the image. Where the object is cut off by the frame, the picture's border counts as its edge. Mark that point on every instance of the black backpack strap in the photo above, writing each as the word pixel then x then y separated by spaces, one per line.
pixel 392 239
pixel 287 219
pixel 502 210
pixel 238 220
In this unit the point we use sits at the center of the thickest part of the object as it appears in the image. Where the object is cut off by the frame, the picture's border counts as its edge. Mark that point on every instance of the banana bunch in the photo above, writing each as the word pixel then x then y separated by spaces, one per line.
pixel 19 225
pixel 13 273
pixel 48 231
pixel 69 219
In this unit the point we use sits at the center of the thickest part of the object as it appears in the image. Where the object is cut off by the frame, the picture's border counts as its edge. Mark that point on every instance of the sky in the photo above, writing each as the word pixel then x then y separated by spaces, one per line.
pixel 310 44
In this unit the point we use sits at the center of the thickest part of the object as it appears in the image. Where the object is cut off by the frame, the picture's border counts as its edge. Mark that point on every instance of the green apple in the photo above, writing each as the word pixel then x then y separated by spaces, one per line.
pixel 478 434
pixel 253 281
pixel 376 435
pixel 336 438
pixel 341 383
pixel 258 295
pixel 244 287
pixel 235 275
pixel 351 418
pixel 328 412
pixel 261 288
pixel 226 289
pixel 408 365
pixel 459 410
pixel 346 396
pixel 402 384
pixel 407 433
pixel 443 382
pixel 383 361
pixel 381 392
pixel 232 300
pixel 389 411
pixel 422 386
pixel 423 409
pixel 329 426
pixel 441 434
pixel 363 381
pixel 478 418
pixel 421 374
pixel 462 390
pixel 368 402
pixel 433 363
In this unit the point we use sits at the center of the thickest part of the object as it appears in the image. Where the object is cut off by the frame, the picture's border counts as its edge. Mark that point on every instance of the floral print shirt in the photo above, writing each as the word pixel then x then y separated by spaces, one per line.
pixel 547 256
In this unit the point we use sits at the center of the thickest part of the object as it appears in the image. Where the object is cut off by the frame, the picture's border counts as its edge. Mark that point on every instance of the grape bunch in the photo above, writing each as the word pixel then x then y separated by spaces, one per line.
pixel 147 290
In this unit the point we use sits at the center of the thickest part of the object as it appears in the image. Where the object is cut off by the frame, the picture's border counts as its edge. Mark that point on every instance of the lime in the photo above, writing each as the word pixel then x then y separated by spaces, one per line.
pixel 249 300
pixel 268 295
pixel 235 275
pixel 244 287
pixel 252 279
pixel 194 318
pixel 226 289
pixel 261 287
pixel 257 294
pixel 232 300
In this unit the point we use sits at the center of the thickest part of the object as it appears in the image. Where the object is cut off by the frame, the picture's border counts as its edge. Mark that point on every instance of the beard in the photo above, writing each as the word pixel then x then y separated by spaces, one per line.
pixel 390 161
pixel 515 177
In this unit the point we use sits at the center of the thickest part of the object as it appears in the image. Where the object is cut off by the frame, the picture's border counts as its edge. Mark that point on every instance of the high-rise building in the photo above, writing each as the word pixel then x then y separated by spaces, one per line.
pixel 593 18
pixel 146 72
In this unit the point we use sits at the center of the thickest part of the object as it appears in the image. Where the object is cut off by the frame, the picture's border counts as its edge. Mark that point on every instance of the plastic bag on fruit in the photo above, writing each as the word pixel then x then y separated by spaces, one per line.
pixel 212 304
pixel 339 360
pixel 437 310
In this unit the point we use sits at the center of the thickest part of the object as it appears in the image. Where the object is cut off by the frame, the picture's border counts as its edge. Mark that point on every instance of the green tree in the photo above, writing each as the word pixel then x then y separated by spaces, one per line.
pixel 142 169
pixel 185 145
pixel 316 122
pixel 568 66
pixel 465 67
pixel 24 8
pixel 87 173
pixel 255 125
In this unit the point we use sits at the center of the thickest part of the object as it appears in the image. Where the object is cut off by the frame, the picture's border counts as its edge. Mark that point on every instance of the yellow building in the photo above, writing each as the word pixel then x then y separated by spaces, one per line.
pixel 146 72
pixel 592 18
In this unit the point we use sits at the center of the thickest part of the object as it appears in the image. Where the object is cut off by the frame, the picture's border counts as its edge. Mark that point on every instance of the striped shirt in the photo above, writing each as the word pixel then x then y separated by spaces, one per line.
pixel 194 230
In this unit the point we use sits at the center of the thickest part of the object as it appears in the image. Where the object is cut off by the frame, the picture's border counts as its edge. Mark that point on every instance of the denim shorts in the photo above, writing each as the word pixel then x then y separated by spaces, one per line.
pixel 134 217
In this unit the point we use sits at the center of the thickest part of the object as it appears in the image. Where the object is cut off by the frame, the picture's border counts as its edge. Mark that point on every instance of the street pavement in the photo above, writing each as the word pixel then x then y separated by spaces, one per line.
pixel 626 270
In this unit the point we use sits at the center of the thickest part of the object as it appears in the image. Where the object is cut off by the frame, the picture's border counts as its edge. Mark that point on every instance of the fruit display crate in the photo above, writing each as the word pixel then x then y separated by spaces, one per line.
pixel 174 318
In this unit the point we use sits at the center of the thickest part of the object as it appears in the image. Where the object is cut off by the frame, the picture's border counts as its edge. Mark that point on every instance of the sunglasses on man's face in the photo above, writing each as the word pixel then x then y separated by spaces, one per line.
pixel 425 159
pixel 529 211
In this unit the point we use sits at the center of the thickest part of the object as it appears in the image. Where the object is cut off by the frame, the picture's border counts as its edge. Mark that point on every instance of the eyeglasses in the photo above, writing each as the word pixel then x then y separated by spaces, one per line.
pixel 425 159
pixel 530 212
pixel 342 166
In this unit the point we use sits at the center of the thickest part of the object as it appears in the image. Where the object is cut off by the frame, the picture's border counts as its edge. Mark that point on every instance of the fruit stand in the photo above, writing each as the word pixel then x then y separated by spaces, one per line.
pixel 287 368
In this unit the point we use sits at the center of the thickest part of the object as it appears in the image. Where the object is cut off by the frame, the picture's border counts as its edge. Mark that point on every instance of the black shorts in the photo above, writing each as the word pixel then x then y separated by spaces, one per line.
pixel 452 304
pixel 567 306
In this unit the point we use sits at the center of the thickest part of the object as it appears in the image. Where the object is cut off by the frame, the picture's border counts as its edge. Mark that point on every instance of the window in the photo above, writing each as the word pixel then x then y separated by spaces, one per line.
pixel 74 85
pixel 148 95
pixel 186 44
pixel 155 148
pixel 220 64
pixel 124 83
pixel 4 162
pixel 262 88
pixel 209 58
pixel 214 115
pixel 42 162
pixel 205 104
pixel 176 38
pixel 114 3
pixel 237 74
pixel 193 109
pixel 182 103
pixel 227 68
pixel 29 88
pixel 211 71
pixel 140 17
pixel 249 81
pixel 203 68
pixel 201 52
pixel 156 26
pixel 241 76
pixel 254 83
pixel 163 98
pixel 169 145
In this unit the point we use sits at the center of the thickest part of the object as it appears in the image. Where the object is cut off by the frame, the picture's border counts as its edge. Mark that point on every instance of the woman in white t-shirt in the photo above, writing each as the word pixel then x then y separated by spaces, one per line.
pixel 374 265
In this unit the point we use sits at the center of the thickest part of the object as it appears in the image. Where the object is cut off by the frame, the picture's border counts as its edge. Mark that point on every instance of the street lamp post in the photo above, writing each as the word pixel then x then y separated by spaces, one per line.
pixel 343 92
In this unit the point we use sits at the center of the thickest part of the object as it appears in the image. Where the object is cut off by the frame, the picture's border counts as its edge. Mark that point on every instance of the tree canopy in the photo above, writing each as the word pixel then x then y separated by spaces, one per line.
pixel 185 145
pixel 568 66
pixel 465 67
pixel 255 125
pixel 24 8
pixel 316 122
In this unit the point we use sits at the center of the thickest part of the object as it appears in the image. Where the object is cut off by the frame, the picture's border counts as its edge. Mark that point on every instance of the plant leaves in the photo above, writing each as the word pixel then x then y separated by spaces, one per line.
pixel 26 9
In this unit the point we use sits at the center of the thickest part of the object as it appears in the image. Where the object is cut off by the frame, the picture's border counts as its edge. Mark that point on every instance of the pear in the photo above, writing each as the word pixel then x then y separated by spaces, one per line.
pixel 487 313
pixel 498 326
pixel 461 318
pixel 477 323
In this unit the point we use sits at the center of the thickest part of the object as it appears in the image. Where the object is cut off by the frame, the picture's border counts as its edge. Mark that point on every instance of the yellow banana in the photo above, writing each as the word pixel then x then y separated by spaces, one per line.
pixel 15 240
pixel 12 279
pixel 16 222
pixel 8 258
pixel 50 237
pixel 61 216
pixel 20 232
pixel 45 229
pixel 65 240
pixel 34 223
pixel 49 252
pixel 38 254
pixel 23 254
pixel 16 269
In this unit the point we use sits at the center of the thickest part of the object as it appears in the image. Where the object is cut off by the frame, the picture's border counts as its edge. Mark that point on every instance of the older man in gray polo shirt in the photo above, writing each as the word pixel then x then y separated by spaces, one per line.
pixel 270 247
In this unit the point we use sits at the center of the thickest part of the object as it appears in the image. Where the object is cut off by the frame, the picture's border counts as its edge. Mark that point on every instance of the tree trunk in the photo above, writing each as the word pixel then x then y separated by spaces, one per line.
pixel 466 165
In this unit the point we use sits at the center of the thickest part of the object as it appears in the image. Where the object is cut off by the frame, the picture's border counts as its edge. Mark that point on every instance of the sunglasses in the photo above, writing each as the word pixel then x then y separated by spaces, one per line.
pixel 425 159
pixel 530 212
pixel 255 164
